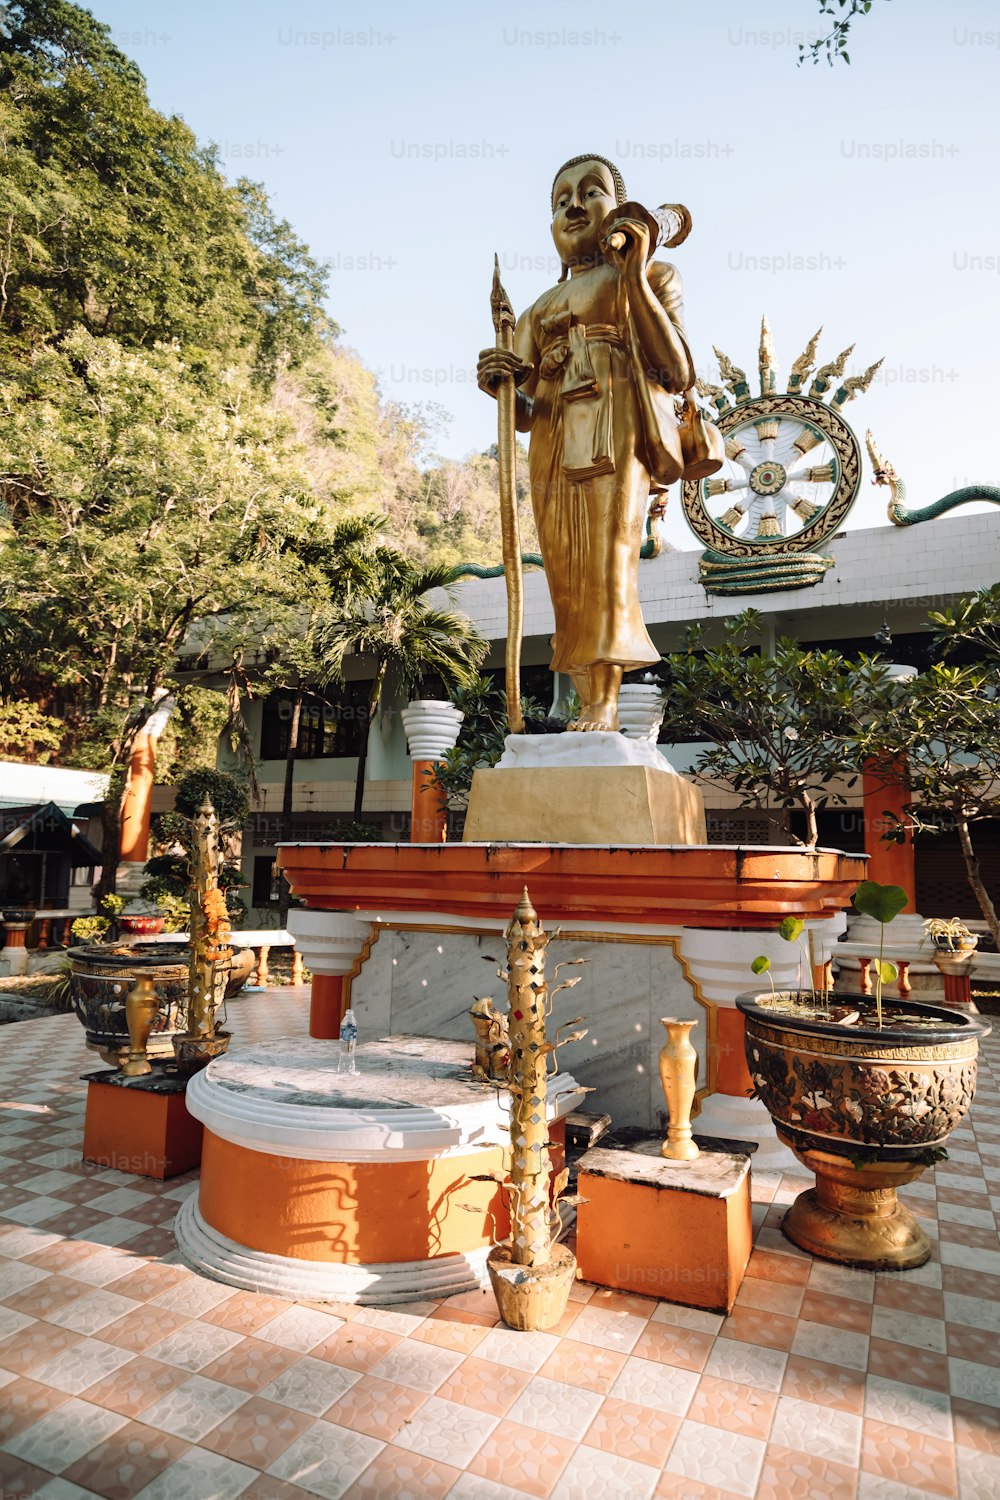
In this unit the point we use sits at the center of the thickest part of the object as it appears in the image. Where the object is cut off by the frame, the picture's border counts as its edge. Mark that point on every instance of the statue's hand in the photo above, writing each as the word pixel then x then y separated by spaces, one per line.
pixel 630 258
pixel 495 365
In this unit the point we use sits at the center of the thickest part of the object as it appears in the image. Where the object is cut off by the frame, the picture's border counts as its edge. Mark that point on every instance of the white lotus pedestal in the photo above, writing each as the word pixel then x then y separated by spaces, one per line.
pixel 432 728
pixel 331 945
pixel 350 1188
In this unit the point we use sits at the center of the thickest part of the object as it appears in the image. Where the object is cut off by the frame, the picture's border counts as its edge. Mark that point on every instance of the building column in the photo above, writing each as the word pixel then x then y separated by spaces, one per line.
pixel 330 943
pixel 884 791
pixel 428 812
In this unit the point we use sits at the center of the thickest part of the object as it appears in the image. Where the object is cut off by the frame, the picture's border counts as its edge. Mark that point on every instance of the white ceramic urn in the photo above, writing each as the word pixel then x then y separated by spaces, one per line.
pixel 641 707
pixel 432 726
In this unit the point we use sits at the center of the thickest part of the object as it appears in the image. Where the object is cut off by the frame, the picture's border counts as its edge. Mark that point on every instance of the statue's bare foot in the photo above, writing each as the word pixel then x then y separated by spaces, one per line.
pixel 599 716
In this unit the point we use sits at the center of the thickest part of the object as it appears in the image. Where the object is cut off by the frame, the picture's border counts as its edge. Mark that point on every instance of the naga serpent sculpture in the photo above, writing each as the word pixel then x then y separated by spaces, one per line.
pixel 651 547
pixel 900 514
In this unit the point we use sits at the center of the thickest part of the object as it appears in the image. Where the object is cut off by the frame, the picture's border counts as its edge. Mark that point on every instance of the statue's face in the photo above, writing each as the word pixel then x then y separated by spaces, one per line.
pixel 583 198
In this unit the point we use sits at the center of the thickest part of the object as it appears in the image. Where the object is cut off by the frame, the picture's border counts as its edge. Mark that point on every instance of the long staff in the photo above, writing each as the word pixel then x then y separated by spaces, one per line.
pixel 503 324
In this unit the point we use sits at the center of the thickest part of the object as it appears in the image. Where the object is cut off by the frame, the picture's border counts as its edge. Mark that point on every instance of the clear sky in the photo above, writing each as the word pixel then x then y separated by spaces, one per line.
pixel 407 142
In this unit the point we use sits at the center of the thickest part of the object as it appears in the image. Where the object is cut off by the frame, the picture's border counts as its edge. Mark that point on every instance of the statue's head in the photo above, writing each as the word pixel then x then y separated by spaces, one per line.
pixel 584 192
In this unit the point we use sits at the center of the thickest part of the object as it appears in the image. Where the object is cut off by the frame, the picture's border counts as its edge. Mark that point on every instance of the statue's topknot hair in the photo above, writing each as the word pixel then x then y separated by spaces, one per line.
pixel 621 196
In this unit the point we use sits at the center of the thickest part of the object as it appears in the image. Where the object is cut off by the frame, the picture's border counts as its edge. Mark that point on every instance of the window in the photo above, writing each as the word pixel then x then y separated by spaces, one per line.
pixel 327 728
pixel 265 881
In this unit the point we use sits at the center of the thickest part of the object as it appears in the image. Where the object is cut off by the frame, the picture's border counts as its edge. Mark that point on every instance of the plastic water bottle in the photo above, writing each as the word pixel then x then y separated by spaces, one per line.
pixel 348 1043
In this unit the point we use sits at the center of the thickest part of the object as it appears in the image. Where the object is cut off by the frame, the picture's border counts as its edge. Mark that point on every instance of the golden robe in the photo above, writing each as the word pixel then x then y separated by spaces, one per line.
pixel 589 463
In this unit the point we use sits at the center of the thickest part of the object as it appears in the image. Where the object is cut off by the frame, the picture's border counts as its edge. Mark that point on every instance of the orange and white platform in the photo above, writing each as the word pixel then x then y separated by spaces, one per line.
pixel 350 1188
pixel 410 934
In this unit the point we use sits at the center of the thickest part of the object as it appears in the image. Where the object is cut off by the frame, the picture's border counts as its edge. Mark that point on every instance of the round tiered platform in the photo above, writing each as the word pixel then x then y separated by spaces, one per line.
pixel 350 1188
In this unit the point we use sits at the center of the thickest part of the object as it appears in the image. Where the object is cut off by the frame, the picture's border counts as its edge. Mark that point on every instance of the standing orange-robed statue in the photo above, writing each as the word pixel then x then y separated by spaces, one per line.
pixel 597 361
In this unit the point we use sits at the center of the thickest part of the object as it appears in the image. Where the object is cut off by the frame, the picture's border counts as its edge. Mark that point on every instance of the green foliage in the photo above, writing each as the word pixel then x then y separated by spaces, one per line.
pixel 28 734
pixel 939 737
pixel 227 793
pixel 481 737
pixel 833 46
pixel 116 219
pixel 407 636
pixel 762 965
pixel 92 929
pixel 159 504
pixel 782 726
pixel 190 741
pixel 791 929
pixel 972 623
pixel 883 902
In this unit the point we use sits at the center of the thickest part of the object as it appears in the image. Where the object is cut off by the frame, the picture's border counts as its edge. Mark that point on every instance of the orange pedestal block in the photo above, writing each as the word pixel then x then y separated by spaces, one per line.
pixel 144 1130
pixel 678 1231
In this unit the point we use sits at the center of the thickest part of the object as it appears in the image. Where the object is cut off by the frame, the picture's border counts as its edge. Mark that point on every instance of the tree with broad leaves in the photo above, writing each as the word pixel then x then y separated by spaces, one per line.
pixel 146 514
pixel 781 726
pixel 940 737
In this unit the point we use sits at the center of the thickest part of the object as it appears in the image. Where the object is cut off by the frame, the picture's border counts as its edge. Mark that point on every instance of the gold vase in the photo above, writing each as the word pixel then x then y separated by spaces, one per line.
pixel 679 1074
pixel 142 1005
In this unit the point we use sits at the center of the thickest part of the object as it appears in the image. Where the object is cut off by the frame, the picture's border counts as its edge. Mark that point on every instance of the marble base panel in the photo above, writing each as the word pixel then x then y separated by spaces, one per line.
pixel 425 982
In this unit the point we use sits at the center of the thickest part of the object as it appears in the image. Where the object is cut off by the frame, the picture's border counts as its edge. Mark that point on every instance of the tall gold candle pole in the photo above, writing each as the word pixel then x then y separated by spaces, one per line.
pixel 678 1074
pixel 209 925
pixel 503 324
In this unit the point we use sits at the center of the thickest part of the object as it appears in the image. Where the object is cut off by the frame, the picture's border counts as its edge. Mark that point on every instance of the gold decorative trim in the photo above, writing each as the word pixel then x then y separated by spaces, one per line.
pixel 669 940
pixel 859 1049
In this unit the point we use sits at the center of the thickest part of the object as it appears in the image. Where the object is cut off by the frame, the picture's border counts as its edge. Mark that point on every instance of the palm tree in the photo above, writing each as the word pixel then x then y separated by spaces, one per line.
pixel 340 564
pixel 408 637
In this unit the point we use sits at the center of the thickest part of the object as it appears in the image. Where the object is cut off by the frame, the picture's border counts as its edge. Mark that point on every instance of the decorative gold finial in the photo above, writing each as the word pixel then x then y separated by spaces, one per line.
pixel 766 360
pixel 500 305
pixel 802 367
pixel 732 376
pixel 828 373
pixel 856 383
pixel 525 912
pixel 715 394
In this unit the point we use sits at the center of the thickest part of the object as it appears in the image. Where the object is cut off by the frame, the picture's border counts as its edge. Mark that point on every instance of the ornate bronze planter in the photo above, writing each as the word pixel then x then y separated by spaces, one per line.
pixel 866 1110
pixel 102 975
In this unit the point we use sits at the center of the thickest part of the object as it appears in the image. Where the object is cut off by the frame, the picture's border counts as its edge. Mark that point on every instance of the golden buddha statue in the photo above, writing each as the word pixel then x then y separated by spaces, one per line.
pixel 597 361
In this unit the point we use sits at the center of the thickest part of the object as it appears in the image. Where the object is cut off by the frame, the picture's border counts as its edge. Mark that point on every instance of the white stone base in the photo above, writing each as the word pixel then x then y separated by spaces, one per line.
pixel 528 752
pixel 223 1260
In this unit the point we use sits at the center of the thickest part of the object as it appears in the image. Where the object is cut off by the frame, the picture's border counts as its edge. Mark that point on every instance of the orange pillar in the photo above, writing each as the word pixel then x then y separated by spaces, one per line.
pixel 326 1006
pixel 884 790
pixel 428 818
pixel 137 801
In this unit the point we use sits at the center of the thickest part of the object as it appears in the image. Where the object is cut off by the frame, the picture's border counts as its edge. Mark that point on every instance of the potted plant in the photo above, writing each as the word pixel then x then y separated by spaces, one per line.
pixel 865 1093
pixel 950 935
pixel 530 1273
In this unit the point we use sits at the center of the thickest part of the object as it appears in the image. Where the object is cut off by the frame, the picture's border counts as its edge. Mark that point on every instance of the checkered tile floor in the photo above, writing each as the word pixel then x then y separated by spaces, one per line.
pixel 122 1373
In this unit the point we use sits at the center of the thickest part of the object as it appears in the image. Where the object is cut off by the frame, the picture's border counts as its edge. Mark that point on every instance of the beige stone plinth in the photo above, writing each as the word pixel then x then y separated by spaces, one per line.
pixel 584 805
